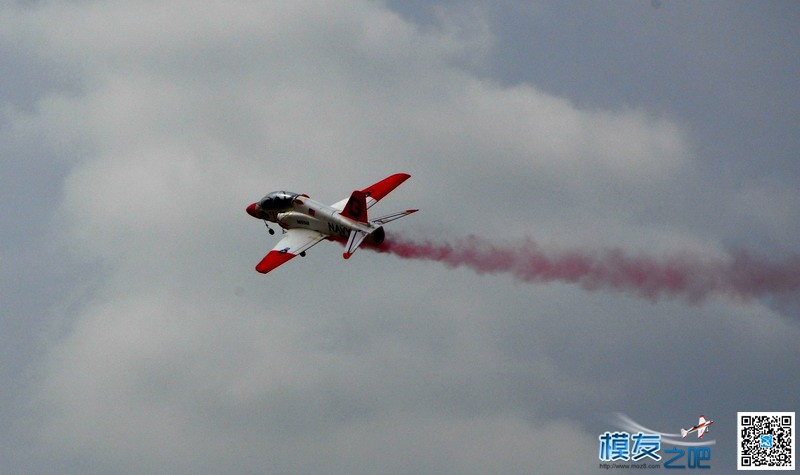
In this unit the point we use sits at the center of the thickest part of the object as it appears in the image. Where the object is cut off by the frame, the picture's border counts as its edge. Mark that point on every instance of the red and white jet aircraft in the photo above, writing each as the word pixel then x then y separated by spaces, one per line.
pixel 701 428
pixel 307 222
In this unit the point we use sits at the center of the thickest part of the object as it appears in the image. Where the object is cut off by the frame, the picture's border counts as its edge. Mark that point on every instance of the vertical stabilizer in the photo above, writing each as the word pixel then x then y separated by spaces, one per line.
pixel 356 207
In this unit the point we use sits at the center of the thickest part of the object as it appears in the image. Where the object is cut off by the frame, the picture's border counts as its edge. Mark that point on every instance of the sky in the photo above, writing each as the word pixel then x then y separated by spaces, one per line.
pixel 137 338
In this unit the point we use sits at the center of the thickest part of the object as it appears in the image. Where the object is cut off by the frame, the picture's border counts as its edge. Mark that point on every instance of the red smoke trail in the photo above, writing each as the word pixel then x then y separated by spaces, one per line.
pixel 695 278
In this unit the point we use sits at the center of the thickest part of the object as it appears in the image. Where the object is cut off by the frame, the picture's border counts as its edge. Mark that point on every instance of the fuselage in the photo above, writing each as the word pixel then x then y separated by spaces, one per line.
pixel 292 210
pixel 700 426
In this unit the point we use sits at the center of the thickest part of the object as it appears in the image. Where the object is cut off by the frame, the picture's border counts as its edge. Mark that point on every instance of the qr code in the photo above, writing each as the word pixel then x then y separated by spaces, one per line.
pixel 766 441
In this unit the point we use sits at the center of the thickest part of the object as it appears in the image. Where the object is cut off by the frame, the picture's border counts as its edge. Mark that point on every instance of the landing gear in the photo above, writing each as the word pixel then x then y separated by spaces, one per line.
pixel 271 231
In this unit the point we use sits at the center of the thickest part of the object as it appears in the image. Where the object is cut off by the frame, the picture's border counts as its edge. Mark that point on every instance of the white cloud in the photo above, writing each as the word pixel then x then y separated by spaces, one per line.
pixel 185 360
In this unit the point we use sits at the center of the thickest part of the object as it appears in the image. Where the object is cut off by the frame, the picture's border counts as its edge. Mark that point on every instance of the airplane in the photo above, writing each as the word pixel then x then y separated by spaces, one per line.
pixel 701 428
pixel 306 222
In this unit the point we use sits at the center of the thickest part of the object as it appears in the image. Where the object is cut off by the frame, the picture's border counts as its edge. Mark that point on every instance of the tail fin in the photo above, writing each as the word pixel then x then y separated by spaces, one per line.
pixel 355 240
pixel 684 432
pixel 356 207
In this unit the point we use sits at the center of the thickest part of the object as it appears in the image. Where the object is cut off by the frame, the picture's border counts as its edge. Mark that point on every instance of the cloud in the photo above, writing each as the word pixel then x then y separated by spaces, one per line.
pixel 184 360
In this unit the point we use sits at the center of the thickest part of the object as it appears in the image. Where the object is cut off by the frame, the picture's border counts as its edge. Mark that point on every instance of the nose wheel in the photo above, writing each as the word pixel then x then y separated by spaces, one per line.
pixel 271 231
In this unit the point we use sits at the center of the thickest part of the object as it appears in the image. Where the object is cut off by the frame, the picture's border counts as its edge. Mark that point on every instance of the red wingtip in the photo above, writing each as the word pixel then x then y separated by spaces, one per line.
pixel 273 260
pixel 383 187
pixel 347 255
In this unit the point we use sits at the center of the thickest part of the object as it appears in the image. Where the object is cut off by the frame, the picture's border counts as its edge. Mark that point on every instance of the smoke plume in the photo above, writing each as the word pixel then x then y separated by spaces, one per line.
pixel 740 276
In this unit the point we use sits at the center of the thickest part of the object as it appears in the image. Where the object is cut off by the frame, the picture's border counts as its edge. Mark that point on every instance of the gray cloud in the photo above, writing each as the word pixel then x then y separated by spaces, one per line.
pixel 163 351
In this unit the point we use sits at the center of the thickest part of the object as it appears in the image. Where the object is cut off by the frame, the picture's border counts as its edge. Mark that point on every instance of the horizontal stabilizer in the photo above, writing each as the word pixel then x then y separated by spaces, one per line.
pixel 355 240
pixel 684 432
pixel 391 217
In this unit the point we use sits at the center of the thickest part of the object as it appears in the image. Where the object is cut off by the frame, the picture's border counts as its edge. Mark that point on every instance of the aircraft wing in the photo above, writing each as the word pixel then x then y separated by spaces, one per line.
pixel 377 191
pixel 701 431
pixel 293 243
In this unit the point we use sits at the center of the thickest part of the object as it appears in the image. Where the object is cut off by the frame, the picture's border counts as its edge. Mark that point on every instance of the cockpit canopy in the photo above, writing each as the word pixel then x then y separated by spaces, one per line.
pixel 277 201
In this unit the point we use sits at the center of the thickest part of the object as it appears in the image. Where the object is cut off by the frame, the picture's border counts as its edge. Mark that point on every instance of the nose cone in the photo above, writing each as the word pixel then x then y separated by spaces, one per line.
pixel 252 211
